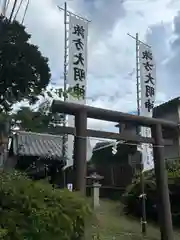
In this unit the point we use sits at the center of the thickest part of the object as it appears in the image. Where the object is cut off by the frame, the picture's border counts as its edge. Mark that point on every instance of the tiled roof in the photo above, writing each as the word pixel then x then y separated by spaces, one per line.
pixel 167 106
pixel 37 144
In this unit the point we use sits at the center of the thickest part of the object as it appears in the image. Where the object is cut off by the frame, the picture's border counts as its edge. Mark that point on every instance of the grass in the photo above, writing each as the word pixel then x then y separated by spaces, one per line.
pixel 108 223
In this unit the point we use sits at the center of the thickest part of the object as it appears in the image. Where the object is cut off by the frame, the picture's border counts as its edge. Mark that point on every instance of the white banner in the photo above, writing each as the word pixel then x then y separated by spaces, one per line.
pixel 148 92
pixel 77 67
pixel 77 71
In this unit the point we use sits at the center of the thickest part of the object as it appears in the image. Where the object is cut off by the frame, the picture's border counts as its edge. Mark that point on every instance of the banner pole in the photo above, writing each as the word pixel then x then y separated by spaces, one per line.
pixel 64 149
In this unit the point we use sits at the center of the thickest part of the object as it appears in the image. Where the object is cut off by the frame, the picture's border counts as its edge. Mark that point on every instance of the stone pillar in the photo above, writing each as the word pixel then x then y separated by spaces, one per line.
pixel 95 190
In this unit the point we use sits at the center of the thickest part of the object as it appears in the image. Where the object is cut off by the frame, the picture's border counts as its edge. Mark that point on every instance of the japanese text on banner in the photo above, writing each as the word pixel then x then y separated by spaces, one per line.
pixel 77 70
pixel 148 91
pixel 148 80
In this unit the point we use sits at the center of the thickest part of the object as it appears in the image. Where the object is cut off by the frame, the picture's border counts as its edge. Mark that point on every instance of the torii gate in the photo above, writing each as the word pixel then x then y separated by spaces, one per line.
pixel 80 132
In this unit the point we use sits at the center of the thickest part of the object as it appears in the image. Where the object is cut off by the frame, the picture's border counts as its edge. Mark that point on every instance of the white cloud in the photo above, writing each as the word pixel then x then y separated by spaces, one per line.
pixel 111 52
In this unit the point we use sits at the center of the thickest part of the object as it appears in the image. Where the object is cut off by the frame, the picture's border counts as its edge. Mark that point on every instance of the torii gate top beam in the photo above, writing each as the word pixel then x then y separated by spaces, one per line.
pixel 108 115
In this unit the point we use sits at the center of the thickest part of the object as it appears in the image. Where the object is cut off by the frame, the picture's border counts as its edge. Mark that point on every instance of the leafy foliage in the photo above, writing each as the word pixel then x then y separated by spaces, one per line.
pixel 28 120
pixel 40 119
pixel 132 201
pixel 24 72
pixel 60 93
pixel 33 210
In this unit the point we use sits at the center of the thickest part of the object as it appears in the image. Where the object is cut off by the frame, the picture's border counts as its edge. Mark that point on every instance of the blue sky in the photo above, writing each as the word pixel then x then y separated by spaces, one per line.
pixel 111 53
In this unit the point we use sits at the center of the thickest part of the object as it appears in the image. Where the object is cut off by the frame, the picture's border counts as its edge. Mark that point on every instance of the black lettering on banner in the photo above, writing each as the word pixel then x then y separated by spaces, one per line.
pixel 79 74
pixel 149 105
pixel 80 59
pixel 148 66
pixel 79 44
pixel 79 31
pixel 150 92
pixel 147 55
pixel 79 91
pixel 149 78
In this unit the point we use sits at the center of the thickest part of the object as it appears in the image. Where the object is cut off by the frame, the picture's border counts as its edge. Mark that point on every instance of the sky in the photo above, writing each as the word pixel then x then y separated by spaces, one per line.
pixel 111 80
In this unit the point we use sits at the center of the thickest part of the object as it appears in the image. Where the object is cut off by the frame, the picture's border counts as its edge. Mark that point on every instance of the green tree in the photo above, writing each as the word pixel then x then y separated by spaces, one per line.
pixel 24 72
pixel 33 210
pixel 132 201
pixel 37 118
pixel 28 120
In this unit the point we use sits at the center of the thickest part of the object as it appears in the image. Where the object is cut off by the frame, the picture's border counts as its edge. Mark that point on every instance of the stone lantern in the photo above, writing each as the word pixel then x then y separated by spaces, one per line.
pixel 95 178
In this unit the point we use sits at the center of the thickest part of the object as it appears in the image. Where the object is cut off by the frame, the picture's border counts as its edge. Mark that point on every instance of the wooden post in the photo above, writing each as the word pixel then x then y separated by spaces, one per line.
pixel 164 208
pixel 80 148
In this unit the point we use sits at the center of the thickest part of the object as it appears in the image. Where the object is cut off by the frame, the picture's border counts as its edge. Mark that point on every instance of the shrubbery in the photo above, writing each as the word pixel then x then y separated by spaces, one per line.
pixel 33 210
pixel 132 202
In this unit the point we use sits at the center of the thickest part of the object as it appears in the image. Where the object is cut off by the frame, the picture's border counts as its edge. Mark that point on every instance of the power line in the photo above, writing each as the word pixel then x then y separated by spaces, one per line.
pixel 20 4
pixel 4 3
pixel 12 11
pixel 7 5
pixel 25 12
